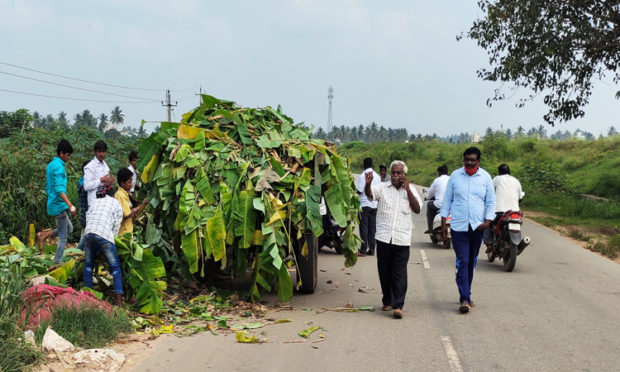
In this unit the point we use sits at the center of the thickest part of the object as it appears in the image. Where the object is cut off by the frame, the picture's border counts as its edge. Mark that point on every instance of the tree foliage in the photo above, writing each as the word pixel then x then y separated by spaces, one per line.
pixel 553 47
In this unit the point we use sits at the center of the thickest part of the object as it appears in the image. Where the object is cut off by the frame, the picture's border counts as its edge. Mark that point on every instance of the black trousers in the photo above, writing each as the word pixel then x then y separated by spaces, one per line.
pixel 368 229
pixel 431 211
pixel 392 264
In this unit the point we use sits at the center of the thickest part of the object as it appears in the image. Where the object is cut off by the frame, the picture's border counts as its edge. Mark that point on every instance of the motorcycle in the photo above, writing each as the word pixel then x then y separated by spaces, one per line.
pixel 436 235
pixel 332 234
pixel 507 241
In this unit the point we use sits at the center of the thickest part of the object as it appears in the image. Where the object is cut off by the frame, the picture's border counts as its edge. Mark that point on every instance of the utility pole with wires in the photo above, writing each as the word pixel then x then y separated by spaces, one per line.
pixel 330 98
pixel 199 95
pixel 169 105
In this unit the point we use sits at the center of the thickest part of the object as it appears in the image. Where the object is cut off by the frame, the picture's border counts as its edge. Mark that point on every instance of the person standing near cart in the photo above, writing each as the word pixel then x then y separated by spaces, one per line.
pixel 368 217
pixel 395 203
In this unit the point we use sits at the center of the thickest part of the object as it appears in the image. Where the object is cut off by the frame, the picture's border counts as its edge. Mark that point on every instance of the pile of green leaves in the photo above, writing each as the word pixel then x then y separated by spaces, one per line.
pixel 237 186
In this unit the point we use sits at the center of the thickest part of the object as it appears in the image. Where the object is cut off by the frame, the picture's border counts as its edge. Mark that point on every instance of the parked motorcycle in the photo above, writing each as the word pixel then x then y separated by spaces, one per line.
pixel 332 234
pixel 436 234
pixel 507 241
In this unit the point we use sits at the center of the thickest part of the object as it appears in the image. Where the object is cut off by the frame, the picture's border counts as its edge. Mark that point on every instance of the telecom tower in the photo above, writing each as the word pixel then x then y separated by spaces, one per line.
pixel 330 98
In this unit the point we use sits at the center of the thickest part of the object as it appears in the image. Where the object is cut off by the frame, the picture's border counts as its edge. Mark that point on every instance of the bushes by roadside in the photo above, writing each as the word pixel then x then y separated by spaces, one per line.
pixel 15 353
pixel 86 327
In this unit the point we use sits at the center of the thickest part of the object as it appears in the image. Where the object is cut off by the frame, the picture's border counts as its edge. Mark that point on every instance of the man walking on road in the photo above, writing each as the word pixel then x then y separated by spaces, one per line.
pixel 368 217
pixel 395 202
pixel 435 196
pixel 57 202
pixel 470 199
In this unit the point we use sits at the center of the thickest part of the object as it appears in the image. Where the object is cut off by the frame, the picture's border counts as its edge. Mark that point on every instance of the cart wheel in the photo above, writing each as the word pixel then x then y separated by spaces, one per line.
pixel 307 265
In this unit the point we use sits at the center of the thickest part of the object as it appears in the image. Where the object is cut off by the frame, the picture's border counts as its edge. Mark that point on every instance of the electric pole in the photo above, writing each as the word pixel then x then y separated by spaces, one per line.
pixel 199 96
pixel 330 98
pixel 169 105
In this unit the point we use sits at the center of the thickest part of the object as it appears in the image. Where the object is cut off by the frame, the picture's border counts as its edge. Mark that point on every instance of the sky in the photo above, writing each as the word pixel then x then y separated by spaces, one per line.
pixel 396 63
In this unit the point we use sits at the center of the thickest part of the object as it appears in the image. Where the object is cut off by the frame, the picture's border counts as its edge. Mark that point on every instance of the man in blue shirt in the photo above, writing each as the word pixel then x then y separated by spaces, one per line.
pixel 470 199
pixel 57 202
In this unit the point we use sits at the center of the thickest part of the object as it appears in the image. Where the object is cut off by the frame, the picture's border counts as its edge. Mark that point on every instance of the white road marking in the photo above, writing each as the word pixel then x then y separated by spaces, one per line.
pixel 453 358
pixel 424 260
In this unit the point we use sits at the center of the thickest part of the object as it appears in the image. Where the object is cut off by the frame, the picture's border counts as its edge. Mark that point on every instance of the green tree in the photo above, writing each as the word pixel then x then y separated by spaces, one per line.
pixel 11 122
pixel 61 121
pixel 103 122
pixel 612 131
pixel 117 116
pixel 84 119
pixel 553 47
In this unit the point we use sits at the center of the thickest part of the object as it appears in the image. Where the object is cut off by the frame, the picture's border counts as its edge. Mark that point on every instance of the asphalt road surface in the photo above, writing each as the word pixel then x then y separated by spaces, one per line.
pixel 559 310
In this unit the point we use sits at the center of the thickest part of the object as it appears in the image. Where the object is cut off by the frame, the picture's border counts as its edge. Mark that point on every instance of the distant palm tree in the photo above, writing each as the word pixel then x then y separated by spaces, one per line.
pixel 117 116
pixel 103 122
pixel 62 120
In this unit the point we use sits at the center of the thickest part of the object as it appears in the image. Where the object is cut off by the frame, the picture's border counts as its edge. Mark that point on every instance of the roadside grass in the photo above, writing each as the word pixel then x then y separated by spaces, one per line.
pixel 15 353
pixel 86 327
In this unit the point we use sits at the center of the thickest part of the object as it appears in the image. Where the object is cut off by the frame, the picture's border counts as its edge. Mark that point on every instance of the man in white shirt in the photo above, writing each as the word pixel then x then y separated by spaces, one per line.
pixel 435 196
pixel 508 195
pixel 97 171
pixel 383 173
pixel 368 217
pixel 395 203
pixel 133 160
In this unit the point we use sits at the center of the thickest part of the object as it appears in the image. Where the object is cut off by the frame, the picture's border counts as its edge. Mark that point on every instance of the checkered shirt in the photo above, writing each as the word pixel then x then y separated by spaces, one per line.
pixel 104 218
pixel 394 215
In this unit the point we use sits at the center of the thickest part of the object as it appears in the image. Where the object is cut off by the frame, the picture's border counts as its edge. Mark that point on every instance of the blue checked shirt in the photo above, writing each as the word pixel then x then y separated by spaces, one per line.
pixel 468 199
pixel 104 218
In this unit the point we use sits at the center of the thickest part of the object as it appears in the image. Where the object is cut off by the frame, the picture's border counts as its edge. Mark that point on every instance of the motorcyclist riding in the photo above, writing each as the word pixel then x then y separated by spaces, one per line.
pixel 435 196
pixel 508 195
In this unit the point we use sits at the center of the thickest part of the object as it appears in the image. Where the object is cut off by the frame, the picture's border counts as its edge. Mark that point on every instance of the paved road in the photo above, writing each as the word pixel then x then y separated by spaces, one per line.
pixel 557 311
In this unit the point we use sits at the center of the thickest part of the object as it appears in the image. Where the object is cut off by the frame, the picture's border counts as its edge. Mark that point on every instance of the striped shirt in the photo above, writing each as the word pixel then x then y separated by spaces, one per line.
pixel 104 218
pixel 394 219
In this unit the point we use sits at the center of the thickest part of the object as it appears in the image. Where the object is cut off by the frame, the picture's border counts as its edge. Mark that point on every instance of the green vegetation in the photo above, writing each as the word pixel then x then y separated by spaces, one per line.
pixel 23 158
pixel 236 189
pixel 86 327
pixel 15 353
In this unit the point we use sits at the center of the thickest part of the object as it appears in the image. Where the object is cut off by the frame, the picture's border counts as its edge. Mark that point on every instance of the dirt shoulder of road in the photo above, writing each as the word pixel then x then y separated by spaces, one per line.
pixel 568 231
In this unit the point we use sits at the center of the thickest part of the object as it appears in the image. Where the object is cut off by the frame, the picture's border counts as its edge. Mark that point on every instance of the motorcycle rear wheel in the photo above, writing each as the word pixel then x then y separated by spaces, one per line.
pixel 491 256
pixel 433 239
pixel 511 260
pixel 447 244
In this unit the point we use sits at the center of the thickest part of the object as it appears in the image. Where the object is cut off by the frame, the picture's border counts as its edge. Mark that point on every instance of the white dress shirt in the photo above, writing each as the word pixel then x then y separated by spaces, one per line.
pixel 361 184
pixel 104 217
pixel 134 178
pixel 394 220
pixel 93 172
pixel 438 188
pixel 508 192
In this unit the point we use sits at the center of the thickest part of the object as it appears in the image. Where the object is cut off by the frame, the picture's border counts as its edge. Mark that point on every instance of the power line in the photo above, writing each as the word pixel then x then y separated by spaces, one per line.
pixel 74 87
pixel 70 98
pixel 90 81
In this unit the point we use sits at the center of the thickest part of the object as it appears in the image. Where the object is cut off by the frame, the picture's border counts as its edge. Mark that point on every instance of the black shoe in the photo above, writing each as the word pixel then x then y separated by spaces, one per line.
pixel 464 307
pixel 428 231
pixel 370 254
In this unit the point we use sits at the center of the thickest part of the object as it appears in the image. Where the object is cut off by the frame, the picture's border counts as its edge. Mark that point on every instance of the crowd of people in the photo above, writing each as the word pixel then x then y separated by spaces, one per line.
pixel 104 213
pixel 468 196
